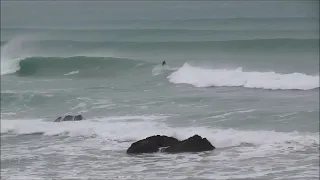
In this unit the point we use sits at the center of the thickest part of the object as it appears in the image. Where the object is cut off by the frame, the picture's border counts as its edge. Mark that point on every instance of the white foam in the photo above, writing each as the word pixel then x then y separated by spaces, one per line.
pixel 101 127
pixel 200 77
pixel 12 52
pixel 240 153
pixel 22 47
pixel 159 69
pixel 126 129
pixel 72 72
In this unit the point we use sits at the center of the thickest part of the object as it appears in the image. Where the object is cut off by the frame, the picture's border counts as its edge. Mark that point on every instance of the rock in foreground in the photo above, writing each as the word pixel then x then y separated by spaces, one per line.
pixel 70 118
pixel 152 144
pixel 193 144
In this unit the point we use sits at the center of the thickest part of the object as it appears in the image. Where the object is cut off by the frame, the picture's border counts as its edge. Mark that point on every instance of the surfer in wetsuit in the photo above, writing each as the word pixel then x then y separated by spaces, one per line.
pixel 164 63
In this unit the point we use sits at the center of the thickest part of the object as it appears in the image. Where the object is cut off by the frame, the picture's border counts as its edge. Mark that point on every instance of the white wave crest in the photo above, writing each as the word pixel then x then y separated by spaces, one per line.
pixel 127 129
pixel 12 52
pixel 158 69
pixel 72 72
pixel 200 77
pixel 238 153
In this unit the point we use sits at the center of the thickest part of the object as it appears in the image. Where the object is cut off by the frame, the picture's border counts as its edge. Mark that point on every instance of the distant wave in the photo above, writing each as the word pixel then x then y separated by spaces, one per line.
pixel 264 45
pixel 26 56
pixel 200 77
pixel 185 21
pixel 65 66
pixel 130 30
pixel 22 56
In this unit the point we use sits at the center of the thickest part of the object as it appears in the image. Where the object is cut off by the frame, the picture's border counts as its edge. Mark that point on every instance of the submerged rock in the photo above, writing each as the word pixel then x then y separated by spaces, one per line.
pixel 70 118
pixel 152 144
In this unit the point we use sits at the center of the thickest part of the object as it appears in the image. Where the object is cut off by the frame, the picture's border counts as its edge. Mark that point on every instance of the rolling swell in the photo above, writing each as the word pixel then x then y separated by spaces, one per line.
pixel 229 45
pixel 78 66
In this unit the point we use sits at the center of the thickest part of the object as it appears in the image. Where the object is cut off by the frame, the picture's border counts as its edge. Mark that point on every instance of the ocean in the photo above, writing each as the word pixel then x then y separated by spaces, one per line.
pixel 243 74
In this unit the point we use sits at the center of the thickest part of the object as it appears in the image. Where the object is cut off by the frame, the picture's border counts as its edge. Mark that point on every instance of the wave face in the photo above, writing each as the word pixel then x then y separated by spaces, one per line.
pixel 200 77
pixel 86 66
pixel 37 55
pixel 27 56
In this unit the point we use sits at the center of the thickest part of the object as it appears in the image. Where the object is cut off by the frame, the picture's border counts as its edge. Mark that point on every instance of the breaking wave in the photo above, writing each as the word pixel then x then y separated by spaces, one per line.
pixel 65 66
pixel 200 77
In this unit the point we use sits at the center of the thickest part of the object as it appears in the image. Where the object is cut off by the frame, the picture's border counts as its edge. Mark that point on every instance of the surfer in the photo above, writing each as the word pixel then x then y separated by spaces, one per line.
pixel 164 63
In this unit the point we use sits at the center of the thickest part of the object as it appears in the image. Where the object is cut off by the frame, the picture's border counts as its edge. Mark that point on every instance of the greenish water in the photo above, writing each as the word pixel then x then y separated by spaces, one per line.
pixel 245 75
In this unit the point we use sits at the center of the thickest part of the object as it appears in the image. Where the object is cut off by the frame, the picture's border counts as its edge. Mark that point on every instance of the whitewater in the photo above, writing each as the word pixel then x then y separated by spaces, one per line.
pixel 200 77
pixel 244 75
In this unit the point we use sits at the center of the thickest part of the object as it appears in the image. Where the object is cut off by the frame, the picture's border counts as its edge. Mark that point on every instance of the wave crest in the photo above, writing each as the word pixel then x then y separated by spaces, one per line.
pixel 200 77
pixel 138 127
pixel 87 66
pixel 22 56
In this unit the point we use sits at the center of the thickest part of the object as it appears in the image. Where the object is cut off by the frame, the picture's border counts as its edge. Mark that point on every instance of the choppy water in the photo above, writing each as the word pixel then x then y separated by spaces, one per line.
pixel 243 74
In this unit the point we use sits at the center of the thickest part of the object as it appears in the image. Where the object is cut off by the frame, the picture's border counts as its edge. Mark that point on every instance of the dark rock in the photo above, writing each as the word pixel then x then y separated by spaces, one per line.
pixel 151 144
pixel 171 145
pixel 70 118
pixel 58 119
pixel 78 118
pixel 193 144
